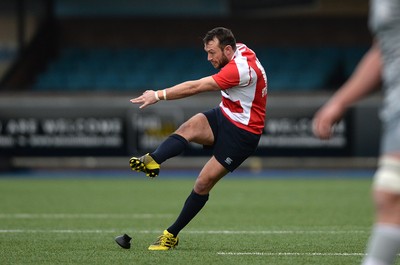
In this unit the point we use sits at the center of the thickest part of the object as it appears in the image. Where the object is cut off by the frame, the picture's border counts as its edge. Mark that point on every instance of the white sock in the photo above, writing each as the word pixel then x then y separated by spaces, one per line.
pixel 383 245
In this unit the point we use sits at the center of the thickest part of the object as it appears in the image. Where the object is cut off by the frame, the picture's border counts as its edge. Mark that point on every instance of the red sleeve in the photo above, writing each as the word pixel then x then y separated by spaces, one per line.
pixel 228 76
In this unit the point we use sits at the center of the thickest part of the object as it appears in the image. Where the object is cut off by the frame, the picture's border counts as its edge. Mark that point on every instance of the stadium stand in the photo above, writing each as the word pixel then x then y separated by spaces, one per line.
pixel 79 46
pixel 290 69
pixel 72 54
pixel 121 69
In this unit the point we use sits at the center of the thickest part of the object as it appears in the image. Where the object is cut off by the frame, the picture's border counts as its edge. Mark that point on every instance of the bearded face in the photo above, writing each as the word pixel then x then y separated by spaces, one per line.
pixel 217 56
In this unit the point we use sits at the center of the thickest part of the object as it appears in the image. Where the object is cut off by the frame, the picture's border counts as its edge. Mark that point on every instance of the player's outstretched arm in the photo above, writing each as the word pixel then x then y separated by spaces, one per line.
pixel 363 81
pixel 181 90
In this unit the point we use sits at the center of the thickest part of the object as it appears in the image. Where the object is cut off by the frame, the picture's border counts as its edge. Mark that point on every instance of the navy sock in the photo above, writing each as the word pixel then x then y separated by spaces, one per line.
pixel 194 203
pixel 172 146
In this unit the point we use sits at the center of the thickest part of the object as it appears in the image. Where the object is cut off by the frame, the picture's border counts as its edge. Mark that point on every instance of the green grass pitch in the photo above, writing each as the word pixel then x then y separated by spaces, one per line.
pixel 246 221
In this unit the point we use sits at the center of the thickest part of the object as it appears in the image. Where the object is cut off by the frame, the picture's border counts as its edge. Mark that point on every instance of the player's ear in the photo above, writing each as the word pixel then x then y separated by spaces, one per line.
pixel 228 50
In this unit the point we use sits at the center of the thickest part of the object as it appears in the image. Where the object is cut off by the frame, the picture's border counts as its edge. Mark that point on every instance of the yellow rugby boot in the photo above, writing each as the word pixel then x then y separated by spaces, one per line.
pixel 165 242
pixel 145 164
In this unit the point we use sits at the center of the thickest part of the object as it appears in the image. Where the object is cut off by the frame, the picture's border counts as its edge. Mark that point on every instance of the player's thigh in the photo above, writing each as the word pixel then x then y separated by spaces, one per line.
pixel 387 177
pixel 211 173
pixel 390 142
pixel 387 190
pixel 197 129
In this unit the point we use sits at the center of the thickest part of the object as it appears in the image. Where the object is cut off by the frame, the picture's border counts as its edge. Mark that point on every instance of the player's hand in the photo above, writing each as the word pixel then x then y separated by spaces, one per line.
pixel 147 98
pixel 325 119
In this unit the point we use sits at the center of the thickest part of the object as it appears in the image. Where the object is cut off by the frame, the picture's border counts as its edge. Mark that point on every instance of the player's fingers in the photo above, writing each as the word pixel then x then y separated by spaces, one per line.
pixel 314 127
pixel 145 99
pixel 143 105
pixel 327 131
pixel 322 129
pixel 137 100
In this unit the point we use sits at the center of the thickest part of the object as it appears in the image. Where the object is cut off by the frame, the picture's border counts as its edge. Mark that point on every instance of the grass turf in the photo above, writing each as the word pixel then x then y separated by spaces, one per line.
pixel 246 221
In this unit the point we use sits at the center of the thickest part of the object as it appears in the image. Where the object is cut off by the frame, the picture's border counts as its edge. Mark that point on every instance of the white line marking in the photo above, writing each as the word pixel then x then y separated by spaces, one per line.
pixel 268 232
pixel 287 254
pixel 216 232
pixel 83 216
pixel 76 231
pixel 58 231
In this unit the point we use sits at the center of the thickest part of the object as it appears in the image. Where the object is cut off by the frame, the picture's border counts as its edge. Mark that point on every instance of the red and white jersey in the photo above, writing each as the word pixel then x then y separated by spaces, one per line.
pixel 243 84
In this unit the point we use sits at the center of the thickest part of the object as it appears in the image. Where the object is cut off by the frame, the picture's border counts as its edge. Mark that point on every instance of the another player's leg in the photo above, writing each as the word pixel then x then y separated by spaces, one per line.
pixel 384 243
pixel 150 163
pixel 212 172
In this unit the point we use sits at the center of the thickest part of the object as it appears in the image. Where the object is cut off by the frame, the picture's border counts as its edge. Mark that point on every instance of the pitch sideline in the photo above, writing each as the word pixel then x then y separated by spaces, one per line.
pixel 216 232
pixel 287 254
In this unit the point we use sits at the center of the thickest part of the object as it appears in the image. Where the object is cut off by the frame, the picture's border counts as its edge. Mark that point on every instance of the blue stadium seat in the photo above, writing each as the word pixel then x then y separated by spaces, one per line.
pixel 137 69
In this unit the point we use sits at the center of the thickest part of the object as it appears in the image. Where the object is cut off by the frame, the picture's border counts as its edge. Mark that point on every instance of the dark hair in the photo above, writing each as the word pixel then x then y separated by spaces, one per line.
pixel 224 35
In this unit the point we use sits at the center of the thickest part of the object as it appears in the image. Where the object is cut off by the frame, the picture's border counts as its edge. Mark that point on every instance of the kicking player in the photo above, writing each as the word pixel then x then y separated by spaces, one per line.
pixel 379 67
pixel 232 129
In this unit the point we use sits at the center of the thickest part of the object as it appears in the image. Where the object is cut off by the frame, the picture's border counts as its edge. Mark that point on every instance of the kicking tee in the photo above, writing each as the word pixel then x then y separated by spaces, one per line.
pixel 243 84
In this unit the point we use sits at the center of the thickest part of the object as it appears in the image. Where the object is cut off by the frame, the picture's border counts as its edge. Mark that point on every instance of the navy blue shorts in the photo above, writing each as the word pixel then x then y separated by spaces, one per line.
pixel 232 145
